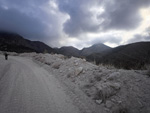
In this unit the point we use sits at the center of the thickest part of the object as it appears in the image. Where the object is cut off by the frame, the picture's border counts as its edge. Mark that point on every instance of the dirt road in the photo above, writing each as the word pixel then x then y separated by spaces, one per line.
pixel 25 87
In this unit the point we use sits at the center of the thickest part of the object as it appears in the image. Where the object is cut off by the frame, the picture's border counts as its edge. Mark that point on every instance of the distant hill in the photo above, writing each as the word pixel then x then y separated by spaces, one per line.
pixel 15 43
pixel 71 51
pixel 131 56
pixel 68 51
pixel 96 48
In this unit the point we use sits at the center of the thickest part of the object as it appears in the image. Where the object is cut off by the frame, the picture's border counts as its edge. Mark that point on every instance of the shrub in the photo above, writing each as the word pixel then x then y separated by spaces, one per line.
pixel 121 109
pixel 148 72
pixel 100 95
pixel 147 67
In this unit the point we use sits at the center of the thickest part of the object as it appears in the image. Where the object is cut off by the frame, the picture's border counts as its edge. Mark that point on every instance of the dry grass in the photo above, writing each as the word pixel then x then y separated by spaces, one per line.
pixel 108 66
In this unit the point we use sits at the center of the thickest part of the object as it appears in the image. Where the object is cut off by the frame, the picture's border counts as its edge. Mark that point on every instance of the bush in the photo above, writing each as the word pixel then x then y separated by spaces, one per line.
pixel 148 72
pixel 101 95
pixel 121 109
pixel 147 67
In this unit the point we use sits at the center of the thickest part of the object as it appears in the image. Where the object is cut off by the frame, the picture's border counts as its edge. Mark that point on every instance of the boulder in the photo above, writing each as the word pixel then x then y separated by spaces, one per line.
pixel 115 86
pixel 98 101
pixel 78 70
pixel 113 76
pixel 109 104
pixel 56 65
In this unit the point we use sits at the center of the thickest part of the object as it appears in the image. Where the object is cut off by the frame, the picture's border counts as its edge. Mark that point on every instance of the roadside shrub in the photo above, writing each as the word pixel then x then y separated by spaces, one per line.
pixel 121 109
pixel 148 70
pixel 101 95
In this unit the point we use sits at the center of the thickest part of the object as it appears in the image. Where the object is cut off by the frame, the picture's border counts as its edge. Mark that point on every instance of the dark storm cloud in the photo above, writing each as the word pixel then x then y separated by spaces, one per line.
pixel 118 14
pixel 122 14
pixel 28 19
pixel 15 21
pixel 138 38
pixel 80 20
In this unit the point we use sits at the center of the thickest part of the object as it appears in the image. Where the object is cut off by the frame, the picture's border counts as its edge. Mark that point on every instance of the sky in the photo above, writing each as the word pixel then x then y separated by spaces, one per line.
pixel 78 23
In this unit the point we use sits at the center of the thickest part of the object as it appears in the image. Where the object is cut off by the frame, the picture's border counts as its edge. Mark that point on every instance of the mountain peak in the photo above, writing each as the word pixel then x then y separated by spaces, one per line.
pixel 68 51
pixel 130 56
pixel 96 48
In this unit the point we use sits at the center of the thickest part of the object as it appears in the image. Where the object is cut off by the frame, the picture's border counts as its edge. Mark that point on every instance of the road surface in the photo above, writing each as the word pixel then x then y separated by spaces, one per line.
pixel 25 87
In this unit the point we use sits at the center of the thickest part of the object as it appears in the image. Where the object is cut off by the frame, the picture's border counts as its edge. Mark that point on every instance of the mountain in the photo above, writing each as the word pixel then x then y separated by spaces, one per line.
pixel 14 42
pixel 71 51
pixel 96 48
pixel 131 56
pixel 68 51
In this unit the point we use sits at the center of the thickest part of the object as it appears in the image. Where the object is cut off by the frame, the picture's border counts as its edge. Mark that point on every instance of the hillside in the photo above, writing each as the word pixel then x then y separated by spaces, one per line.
pixel 71 51
pixel 16 43
pixel 98 88
pixel 96 48
pixel 68 51
pixel 129 56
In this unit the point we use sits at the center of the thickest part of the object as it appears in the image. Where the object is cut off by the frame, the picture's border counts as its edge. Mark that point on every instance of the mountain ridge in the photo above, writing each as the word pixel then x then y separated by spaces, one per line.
pixel 96 48
pixel 10 42
pixel 13 40
pixel 130 56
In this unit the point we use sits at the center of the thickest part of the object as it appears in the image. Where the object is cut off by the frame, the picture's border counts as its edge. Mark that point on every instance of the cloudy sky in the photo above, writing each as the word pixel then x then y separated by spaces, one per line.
pixel 78 23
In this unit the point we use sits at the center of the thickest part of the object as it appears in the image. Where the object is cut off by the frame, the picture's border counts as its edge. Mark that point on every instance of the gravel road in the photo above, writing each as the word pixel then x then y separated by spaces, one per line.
pixel 26 87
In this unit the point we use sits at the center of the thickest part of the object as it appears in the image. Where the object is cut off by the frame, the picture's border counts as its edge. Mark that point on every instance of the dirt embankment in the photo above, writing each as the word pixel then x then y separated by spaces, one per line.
pixel 115 90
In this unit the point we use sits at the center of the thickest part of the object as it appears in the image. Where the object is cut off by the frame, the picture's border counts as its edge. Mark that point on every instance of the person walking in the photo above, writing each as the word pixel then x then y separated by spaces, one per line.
pixel 6 56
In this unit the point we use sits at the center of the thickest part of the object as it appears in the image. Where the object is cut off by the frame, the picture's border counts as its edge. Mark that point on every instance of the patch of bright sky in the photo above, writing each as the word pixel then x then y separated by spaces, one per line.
pixel 145 15
pixel 111 44
pixel 97 10
pixel 53 4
